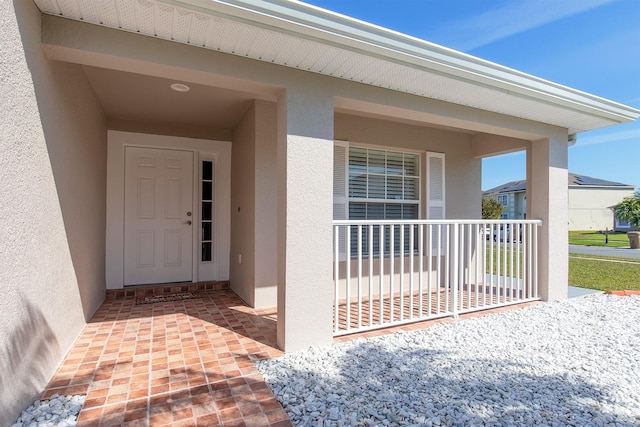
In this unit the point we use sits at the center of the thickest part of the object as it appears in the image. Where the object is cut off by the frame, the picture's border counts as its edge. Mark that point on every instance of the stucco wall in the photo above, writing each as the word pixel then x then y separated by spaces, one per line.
pixel 52 170
pixel 266 216
pixel 254 208
pixel 589 207
pixel 242 275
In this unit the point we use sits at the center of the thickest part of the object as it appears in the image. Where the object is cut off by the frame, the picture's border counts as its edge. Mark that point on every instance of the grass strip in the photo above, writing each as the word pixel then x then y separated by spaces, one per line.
pixel 594 272
pixel 596 238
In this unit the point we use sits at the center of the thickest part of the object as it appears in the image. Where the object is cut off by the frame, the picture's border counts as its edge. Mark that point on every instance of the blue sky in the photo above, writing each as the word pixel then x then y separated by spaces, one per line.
pixel 590 45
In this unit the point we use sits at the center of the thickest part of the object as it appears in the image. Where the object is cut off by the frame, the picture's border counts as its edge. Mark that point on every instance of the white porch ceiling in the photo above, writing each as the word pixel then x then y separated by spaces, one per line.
pixel 146 99
pixel 304 37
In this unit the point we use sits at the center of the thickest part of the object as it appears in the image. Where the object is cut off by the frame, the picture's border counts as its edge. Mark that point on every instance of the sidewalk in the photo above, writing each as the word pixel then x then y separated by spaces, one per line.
pixel 605 251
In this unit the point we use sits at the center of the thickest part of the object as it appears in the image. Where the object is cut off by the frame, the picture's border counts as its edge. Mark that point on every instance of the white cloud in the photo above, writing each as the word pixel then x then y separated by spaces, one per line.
pixel 512 18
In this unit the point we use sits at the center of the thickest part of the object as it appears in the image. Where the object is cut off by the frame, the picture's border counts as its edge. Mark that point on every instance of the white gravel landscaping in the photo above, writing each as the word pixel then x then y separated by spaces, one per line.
pixel 58 411
pixel 574 363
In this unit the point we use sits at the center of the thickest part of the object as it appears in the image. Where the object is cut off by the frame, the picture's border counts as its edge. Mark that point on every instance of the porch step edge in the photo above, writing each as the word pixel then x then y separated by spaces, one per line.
pixel 165 288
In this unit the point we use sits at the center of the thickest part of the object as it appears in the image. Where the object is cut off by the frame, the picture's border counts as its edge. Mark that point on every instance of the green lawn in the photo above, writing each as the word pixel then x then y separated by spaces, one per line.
pixel 594 238
pixel 591 271
pixel 598 272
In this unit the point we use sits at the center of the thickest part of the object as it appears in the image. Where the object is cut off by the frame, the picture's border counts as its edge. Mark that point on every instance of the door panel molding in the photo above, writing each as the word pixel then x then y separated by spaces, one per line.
pixel 159 199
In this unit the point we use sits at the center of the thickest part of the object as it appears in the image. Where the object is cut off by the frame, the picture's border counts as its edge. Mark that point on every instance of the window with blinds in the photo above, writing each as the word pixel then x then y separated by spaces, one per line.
pixel 383 184
pixel 373 183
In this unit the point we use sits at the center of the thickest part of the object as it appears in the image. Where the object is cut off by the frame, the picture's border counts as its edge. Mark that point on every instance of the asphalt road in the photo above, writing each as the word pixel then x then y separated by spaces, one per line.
pixel 602 251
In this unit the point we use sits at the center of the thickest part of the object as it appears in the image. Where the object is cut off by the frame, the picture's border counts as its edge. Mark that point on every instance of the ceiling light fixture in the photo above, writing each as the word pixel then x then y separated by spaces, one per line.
pixel 180 87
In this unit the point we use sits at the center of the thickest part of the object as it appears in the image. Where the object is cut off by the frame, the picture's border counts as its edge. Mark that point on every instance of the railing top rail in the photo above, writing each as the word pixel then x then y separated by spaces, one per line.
pixel 537 222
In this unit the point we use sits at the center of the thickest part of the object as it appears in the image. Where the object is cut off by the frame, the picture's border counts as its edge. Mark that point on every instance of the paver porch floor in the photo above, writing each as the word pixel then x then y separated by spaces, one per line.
pixel 181 363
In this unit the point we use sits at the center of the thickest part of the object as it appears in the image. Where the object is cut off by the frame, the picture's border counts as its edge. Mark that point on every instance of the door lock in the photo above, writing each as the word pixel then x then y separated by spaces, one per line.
pixel 188 213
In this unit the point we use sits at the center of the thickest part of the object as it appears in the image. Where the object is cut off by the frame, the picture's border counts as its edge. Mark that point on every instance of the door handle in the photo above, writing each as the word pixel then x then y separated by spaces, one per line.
pixel 187 222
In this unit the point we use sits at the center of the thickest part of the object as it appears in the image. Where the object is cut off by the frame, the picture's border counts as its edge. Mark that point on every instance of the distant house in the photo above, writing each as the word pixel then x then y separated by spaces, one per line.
pixel 590 202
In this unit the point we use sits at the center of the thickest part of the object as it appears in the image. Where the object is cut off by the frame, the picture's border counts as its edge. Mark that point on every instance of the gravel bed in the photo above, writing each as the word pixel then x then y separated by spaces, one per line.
pixel 569 363
pixel 58 411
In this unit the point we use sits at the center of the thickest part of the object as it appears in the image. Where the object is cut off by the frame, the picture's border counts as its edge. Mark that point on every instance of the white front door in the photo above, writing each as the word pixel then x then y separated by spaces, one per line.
pixel 158 207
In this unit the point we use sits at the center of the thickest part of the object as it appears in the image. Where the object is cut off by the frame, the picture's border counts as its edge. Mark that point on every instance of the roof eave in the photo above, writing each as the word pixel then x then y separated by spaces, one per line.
pixel 315 23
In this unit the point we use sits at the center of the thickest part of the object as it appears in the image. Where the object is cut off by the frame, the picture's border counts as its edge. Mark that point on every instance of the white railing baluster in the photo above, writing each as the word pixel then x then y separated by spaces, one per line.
pixel 535 262
pixel 420 267
pixel 347 249
pixel 457 265
pixel 477 267
pixel 498 265
pixel 429 269
pixel 336 277
pixel 468 264
pixel 529 265
pixel 454 279
pixel 401 272
pixel 519 282
pixel 438 266
pixel 359 230
pixel 491 267
pixel 511 266
pixel 370 295
pixel 381 280
pixel 505 247
pixel 391 272
pixel 411 268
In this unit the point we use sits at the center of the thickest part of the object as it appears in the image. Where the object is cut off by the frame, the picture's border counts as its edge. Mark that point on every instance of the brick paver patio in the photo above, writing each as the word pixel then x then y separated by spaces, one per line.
pixel 182 363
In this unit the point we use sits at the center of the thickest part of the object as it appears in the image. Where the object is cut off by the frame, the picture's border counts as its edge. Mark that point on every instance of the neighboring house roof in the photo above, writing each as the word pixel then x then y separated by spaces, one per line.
pixel 575 180
pixel 305 37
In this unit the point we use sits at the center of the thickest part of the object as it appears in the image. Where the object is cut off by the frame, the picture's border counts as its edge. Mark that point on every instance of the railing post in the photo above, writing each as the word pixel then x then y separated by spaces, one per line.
pixel 359 255
pixel 336 277
pixel 347 250
pixel 455 278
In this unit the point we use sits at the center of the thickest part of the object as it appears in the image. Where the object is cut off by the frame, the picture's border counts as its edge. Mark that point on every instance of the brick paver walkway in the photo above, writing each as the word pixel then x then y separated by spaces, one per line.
pixel 182 363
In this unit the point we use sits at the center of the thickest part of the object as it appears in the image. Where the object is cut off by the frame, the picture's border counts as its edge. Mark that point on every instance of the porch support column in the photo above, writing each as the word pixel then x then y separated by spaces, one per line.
pixel 305 213
pixel 547 199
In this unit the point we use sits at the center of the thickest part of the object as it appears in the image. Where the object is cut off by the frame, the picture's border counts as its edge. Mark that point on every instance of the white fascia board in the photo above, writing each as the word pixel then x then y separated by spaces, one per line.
pixel 303 20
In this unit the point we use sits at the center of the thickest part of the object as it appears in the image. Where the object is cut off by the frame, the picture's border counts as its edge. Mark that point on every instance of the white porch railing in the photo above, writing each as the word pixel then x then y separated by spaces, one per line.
pixel 390 272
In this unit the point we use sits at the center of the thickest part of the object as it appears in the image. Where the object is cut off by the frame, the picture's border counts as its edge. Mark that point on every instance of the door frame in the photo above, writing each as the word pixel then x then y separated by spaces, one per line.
pixel 217 151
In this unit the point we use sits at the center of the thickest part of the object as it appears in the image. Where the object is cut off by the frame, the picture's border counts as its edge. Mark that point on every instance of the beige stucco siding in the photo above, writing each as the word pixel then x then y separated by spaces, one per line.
pixel 52 169
pixel 589 207
pixel 253 267
pixel 243 214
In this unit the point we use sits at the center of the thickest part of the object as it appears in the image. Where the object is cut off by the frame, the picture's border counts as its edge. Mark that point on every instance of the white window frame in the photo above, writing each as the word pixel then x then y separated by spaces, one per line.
pixel 417 202
pixel 503 199
pixel 622 224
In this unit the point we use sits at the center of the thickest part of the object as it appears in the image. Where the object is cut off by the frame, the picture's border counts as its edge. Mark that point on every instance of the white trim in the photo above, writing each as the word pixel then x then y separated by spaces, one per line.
pixel 116 143
pixel 622 224
pixel 295 23
pixel 311 22
pixel 430 199
pixel 381 147
pixel 206 268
